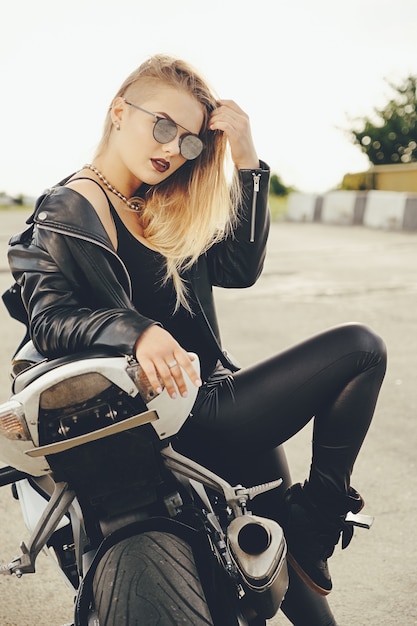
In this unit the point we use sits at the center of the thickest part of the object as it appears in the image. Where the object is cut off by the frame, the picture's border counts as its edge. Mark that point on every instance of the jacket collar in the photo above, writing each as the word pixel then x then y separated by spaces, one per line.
pixel 64 210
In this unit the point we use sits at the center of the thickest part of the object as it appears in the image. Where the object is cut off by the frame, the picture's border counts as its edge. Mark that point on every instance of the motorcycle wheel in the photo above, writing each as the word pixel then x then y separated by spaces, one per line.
pixel 147 580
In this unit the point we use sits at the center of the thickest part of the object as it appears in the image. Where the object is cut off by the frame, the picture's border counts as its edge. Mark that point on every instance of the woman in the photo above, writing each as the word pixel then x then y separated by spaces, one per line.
pixel 124 254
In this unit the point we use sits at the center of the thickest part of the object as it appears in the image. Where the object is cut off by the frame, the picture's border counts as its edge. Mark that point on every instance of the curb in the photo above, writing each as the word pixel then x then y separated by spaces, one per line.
pixel 387 210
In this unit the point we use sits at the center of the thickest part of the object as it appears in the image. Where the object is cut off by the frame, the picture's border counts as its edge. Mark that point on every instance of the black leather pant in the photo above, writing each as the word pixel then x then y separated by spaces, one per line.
pixel 240 421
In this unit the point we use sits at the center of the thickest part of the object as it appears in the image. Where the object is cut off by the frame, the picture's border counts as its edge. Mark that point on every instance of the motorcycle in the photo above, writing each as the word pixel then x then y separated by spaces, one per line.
pixel 143 534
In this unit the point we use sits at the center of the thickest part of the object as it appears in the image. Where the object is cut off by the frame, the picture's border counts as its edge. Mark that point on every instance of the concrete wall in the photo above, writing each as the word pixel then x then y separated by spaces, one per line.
pixel 389 210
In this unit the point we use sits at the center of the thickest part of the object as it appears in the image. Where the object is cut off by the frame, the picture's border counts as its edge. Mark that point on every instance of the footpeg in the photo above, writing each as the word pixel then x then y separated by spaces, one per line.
pixel 359 519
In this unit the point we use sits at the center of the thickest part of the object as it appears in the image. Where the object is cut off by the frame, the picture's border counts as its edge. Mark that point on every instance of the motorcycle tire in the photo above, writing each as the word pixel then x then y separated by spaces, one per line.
pixel 150 580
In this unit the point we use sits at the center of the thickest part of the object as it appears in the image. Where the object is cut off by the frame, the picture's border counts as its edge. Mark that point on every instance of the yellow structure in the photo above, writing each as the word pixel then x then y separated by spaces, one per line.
pixel 385 178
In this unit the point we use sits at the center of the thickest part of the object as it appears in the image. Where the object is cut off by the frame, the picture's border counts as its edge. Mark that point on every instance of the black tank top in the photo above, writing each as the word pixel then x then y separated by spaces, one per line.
pixel 155 299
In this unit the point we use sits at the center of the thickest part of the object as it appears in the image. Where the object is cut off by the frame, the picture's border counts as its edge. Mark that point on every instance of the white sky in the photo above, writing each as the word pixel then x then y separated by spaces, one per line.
pixel 299 68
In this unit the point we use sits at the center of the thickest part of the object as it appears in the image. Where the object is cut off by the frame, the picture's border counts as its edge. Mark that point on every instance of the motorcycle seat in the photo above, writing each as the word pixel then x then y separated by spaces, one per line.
pixel 28 364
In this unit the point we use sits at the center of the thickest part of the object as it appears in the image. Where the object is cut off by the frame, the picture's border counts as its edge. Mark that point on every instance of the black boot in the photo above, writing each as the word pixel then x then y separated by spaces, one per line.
pixel 312 531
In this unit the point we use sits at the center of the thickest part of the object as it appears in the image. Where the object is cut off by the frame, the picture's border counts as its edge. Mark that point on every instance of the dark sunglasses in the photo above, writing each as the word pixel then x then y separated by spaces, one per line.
pixel 165 130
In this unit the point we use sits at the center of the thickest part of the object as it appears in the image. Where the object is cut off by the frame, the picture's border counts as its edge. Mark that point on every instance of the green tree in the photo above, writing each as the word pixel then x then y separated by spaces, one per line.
pixel 277 187
pixel 391 135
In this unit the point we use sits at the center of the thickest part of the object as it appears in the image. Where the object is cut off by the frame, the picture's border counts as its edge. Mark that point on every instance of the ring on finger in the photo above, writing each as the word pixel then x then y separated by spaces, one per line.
pixel 172 364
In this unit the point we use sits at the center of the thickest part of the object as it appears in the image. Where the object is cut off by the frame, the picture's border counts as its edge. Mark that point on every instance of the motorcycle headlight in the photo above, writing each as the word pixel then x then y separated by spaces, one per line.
pixel 12 421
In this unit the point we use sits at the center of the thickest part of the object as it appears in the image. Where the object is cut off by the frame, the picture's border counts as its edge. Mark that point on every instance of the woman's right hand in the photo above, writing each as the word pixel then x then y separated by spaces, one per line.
pixel 162 358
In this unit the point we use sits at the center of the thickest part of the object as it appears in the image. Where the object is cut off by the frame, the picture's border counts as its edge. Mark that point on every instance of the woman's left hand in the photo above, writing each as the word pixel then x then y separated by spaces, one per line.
pixel 229 118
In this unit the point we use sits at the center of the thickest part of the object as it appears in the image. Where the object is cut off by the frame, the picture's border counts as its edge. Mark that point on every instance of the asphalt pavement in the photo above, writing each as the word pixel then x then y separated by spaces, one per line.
pixel 316 276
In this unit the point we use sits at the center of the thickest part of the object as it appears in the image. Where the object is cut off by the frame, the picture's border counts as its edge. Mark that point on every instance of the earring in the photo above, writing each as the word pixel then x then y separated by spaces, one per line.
pixel 117 125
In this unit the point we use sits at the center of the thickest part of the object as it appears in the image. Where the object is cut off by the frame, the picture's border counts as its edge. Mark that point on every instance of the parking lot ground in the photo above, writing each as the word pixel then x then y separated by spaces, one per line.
pixel 315 276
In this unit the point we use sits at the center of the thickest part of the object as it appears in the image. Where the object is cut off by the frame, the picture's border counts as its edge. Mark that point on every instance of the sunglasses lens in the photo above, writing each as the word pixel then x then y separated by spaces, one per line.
pixel 191 147
pixel 164 130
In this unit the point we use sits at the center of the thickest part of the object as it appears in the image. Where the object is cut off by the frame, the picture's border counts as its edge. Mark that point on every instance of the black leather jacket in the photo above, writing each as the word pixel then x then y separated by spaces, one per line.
pixel 77 291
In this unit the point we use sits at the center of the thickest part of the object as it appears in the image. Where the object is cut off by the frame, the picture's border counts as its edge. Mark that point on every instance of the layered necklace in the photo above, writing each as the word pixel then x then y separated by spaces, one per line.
pixel 135 206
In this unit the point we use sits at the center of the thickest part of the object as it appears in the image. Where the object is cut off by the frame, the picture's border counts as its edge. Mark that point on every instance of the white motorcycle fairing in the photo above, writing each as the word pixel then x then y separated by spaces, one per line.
pixel 72 384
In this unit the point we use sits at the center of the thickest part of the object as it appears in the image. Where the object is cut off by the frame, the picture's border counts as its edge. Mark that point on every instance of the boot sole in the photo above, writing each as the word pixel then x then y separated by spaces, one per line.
pixel 306 578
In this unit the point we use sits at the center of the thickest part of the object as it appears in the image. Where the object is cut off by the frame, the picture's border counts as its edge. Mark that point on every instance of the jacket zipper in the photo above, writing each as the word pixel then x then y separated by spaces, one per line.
pixel 256 179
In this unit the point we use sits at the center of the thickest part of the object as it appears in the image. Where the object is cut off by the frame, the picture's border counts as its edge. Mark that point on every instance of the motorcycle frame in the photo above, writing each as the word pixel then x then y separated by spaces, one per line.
pixel 63 500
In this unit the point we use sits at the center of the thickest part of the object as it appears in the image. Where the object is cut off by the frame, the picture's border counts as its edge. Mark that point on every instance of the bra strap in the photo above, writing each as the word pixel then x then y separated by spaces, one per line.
pixel 111 207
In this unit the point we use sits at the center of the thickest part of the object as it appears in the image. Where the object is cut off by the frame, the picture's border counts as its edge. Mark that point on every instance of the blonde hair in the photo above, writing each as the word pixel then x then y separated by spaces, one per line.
pixel 196 206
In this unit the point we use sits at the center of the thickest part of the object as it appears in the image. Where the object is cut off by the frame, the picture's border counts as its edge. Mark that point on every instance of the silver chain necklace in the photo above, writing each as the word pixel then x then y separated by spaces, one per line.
pixel 132 205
